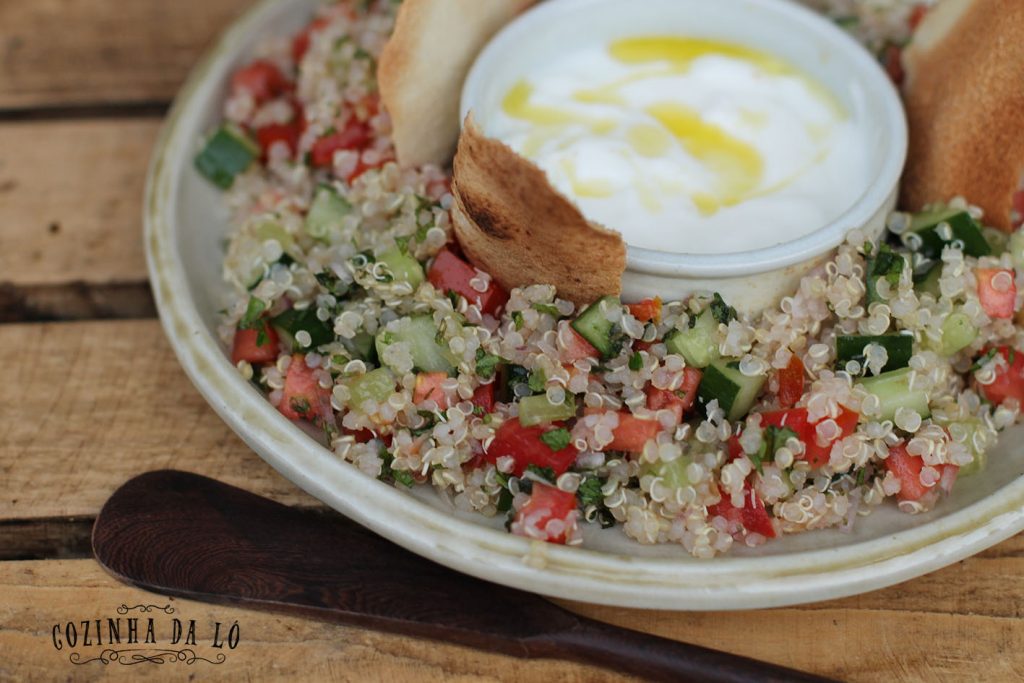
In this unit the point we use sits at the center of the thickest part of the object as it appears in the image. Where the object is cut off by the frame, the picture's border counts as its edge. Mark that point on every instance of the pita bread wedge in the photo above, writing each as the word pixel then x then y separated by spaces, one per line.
pixel 964 96
pixel 423 66
pixel 513 224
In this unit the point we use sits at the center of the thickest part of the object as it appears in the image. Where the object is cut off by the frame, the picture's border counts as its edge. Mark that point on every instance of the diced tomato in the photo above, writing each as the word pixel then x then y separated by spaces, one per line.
pixel 677 401
pixel 546 504
pixel 300 43
pixel 646 310
pixel 449 273
pixel 525 447
pixel 428 387
pixel 361 435
pixel 246 345
pixel 1018 207
pixel 354 136
pixel 752 516
pixel 998 303
pixel 304 398
pixel 907 468
pixel 577 347
pixel 1009 381
pixel 640 345
pixel 795 419
pixel 798 421
pixel 288 133
pixel 632 433
pixel 261 79
pixel 734 448
pixel 917 14
pixel 362 167
pixel 791 382
pixel 817 453
pixel 893 60
pixel 483 397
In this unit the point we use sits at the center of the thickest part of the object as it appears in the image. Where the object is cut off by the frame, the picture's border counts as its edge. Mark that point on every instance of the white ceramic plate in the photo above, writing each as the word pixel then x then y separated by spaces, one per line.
pixel 185 224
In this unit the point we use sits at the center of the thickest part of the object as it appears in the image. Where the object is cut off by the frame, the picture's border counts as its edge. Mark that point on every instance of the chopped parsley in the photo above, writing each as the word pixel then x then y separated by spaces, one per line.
pixel 982 360
pixel 486 364
pixel 537 381
pixel 300 405
pixel 590 498
pixel 636 361
pixel 885 264
pixel 556 439
pixel 517 318
pixel 332 283
pixel 250 320
pixel 549 309
pixel 772 439
pixel 722 311
pixel 387 473
pixel 589 491
pixel 543 472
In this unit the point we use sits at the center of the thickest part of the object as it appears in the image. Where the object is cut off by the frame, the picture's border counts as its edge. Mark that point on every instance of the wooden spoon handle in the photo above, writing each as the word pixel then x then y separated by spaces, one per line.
pixel 658 659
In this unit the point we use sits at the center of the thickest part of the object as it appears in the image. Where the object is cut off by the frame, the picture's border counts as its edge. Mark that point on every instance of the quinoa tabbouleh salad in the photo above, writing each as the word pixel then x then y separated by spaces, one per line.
pixel 887 375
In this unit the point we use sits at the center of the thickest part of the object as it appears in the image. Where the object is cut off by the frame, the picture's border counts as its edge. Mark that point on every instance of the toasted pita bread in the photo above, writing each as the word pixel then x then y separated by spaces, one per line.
pixel 964 96
pixel 423 66
pixel 513 224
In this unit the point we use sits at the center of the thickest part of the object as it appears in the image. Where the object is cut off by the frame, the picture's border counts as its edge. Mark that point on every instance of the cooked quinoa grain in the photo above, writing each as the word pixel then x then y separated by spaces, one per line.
pixel 887 374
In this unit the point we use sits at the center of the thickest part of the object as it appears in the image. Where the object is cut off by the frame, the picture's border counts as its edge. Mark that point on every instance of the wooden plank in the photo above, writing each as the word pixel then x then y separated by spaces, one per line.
pixel 840 639
pixel 39 595
pixel 71 201
pixel 98 402
pixel 87 52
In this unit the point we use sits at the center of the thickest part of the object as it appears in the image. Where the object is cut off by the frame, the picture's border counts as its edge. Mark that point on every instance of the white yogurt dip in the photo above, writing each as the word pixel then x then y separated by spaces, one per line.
pixel 688 145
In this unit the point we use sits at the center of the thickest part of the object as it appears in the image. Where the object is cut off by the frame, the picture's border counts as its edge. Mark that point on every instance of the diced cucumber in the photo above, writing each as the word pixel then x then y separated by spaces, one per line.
pixel 535 410
pixel 929 226
pixel 697 344
pixel 735 391
pixel 404 267
pixel 673 474
pixel 421 335
pixel 998 241
pixel 1016 248
pixel 272 230
pixel 376 385
pixel 882 264
pixel 900 348
pixel 928 282
pixel 228 152
pixel 326 213
pixel 893 391
pixel 293 321
pixel 361 347
pixel 958 332
pixel 594 326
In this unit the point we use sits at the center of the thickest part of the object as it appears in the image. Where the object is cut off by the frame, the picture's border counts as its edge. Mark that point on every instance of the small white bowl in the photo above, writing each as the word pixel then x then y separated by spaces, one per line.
pixel 778 27
pixel 185 224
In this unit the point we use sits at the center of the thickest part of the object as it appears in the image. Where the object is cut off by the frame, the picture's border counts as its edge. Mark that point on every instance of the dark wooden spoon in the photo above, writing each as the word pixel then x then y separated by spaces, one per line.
pixel 181 534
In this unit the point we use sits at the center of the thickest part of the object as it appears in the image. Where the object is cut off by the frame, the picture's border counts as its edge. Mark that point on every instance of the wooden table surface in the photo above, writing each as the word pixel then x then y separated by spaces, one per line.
pixel 95 396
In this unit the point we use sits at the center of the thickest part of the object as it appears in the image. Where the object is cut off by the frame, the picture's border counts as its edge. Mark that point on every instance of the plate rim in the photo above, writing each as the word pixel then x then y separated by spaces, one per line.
pixel 581 574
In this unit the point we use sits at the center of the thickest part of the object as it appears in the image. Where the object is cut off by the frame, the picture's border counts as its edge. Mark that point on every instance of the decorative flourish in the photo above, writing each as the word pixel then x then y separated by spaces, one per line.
pixel 125 609
pixel 147 655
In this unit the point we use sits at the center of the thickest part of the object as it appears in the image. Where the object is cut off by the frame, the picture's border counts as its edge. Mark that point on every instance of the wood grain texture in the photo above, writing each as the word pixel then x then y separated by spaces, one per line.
pixel 71 200
pixel 237 548
pixel 86 52
pixel 97 403
pixel 38 595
